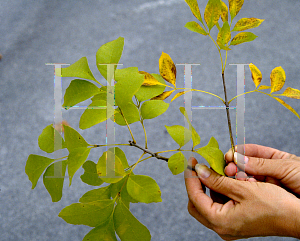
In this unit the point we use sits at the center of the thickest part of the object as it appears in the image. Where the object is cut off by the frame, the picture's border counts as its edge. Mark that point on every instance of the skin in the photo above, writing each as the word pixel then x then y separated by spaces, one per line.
pixel 263 205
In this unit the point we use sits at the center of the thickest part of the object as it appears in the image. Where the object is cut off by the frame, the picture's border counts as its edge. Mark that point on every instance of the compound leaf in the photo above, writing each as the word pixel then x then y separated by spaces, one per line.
pixel 195 27
pixel 109 53
pixel 53 184
pixel 167 68
pixel 277 78
pixel 76 159
pixel 121 187
pixel 212 13
pixel 177 163
pixel 195 9
pixel 78 91
pixel 291 93
pixel 243 38
pixel 179 134
pixel 73 139
pixel 46 139
pixel 153 108
pixel 79 69
pixel 127 226
pixel 90 175
pixel 91 214
pixel 247 23
pixel 35 166
pixel 143 189
pixel 256 74
pixel 96 195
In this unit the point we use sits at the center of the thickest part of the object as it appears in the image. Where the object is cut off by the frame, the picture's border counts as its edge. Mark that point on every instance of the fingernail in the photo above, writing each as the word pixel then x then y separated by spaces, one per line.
pixel 202 170
pixel 240 159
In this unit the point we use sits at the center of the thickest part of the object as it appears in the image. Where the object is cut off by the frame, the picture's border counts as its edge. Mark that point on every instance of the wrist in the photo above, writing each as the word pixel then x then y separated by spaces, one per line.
pixel 292 226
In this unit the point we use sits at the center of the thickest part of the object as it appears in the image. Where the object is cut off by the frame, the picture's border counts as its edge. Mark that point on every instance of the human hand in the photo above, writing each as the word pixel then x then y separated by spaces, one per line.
pixel 254 208
pixel 267 165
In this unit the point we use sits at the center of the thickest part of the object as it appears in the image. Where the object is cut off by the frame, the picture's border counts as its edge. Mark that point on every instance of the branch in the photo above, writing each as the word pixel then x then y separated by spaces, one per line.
pixel 149 152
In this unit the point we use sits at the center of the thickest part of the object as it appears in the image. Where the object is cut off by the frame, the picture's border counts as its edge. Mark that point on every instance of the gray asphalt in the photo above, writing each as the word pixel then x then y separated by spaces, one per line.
pixel 37 32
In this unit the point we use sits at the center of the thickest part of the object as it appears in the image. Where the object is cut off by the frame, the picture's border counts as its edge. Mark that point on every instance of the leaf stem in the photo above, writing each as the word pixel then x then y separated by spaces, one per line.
pixel 109 145
pixel 142 122
pixel 228 114
pixel 127 126
pixel 243 94
pixel 209 94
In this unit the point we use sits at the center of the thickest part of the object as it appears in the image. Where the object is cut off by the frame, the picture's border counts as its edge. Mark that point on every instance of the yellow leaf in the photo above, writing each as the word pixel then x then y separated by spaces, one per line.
pixel 234 7
pixel 163 96
pixel 224 11
pixel 256 74
pixel 149 80
pixel 179 94
pixel 247 23
pixel 264 87
pixel 212 13
pixel 224 35
pixel 195 27
pixel 194 8
pixel 167 68
pixel 277 78
pixel 287 106
pixel 291 93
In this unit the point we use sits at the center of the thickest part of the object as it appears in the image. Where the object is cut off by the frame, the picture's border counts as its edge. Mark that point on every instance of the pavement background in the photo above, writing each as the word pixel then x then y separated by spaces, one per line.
pixel 37 32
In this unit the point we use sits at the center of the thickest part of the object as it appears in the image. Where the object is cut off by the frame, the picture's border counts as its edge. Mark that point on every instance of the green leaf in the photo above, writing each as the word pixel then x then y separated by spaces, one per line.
pixel 96 112
pixel 195 27
pixel 53 184
pixel 277 78
pixel 148 92
pixel 195 9
pixel 121 155
pixel 76 159
pixel 242 38
pixel 212 13
pixel 90 175
pixel 287 106
pixel 105 232
pixel 79 69
pixel 153 108
pixel 213 143
pixel 130 112
pixel 195 136
pixel 96 195
pixel 247 23
pixel 35 166
pixel 234 7
pixel 78 91
pixel 121 187
pixel 177 163
pixel 46 139
pixel 291 93
pixel 143 189
pixel 213 155
pixel 179 134
pixel 129 80
pixel 224 36
pixel 115 174
pixel 127 226
pixel 91 214
pixel 73 139
pixel 109 53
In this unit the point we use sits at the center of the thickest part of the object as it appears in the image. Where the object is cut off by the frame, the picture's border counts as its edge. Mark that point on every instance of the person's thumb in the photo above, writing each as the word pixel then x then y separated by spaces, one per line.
pixel 275 168
pixel 221 184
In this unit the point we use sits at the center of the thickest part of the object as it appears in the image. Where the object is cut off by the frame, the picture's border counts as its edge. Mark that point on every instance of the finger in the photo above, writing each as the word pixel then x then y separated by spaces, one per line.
pixel 229 187
pixel 230 170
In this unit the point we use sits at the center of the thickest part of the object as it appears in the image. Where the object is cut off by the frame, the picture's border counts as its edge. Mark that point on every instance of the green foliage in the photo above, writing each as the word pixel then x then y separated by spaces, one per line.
pixel 134 97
